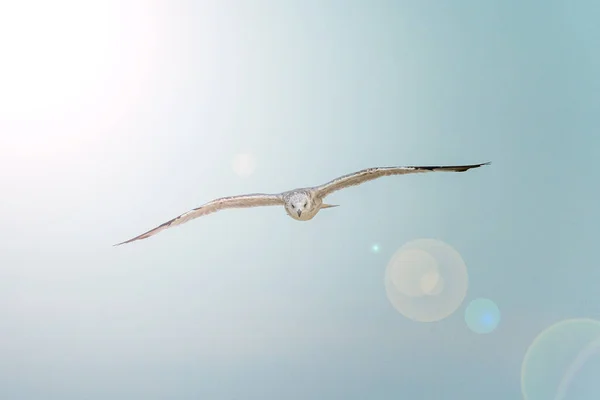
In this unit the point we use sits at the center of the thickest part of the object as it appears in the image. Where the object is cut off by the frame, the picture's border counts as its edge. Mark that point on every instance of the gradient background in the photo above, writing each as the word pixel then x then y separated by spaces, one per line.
pixel 118 115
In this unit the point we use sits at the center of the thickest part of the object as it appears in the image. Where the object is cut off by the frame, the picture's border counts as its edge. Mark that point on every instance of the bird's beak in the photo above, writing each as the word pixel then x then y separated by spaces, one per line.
pixel 299 212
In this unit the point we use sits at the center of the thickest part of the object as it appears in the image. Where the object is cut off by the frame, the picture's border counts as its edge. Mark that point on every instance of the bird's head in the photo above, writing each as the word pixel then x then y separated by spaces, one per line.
pixel 300 206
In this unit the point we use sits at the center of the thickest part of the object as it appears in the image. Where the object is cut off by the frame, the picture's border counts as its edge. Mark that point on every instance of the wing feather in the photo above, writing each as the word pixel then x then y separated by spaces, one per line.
pixel 369 174
pixel 243 201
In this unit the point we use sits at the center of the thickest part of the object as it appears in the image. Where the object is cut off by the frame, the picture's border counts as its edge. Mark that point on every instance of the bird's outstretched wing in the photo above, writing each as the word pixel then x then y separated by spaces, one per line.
pixel 369 174
pixel 243 201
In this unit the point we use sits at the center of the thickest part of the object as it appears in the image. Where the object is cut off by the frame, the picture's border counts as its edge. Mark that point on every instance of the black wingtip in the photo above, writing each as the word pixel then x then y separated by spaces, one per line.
pixel 453 168
pixel 468 167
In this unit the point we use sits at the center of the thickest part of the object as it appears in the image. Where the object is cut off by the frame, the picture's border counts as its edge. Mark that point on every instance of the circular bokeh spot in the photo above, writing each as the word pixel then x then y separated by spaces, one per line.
pixel 482 316
pixel 557 362
pixel 426 280
pixel 244 164
pixel 375 248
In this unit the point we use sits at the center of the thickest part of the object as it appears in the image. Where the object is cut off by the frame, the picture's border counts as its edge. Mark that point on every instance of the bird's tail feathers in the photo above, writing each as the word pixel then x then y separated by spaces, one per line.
pixel 329 205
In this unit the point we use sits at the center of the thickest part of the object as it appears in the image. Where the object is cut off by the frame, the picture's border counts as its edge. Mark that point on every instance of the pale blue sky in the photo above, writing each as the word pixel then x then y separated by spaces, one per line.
pixel 122 115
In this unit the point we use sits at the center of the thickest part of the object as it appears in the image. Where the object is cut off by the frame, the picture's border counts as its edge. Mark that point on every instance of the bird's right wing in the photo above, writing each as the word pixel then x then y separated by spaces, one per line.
pixel 243 201
pixel 369 174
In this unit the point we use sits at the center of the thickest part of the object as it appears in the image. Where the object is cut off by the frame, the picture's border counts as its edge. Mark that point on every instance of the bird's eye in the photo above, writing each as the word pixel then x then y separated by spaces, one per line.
pixel 293 206
pixel 305 204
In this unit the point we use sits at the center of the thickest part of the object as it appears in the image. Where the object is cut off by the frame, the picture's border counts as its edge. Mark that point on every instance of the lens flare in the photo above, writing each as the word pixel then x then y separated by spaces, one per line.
pixel 556 358
pixel 482 316
pixel 409 268
pixel 426 280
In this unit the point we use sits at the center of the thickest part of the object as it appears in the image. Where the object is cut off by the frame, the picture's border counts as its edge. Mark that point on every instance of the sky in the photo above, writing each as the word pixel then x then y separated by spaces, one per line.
pixel 116 116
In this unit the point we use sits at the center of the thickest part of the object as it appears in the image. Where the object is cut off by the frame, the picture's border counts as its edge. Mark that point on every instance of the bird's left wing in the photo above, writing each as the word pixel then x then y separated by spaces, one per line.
pixel 243 201
pixel 369 174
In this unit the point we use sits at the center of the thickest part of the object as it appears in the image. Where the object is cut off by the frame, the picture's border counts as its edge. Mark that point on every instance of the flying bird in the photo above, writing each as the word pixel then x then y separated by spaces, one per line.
pixel 301 204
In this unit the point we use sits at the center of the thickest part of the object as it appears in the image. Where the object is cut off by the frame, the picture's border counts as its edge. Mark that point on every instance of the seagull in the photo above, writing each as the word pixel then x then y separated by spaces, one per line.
pixel 301 204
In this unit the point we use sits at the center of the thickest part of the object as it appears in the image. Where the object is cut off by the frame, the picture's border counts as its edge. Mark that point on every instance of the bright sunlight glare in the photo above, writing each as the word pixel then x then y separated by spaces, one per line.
pixel 62 56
